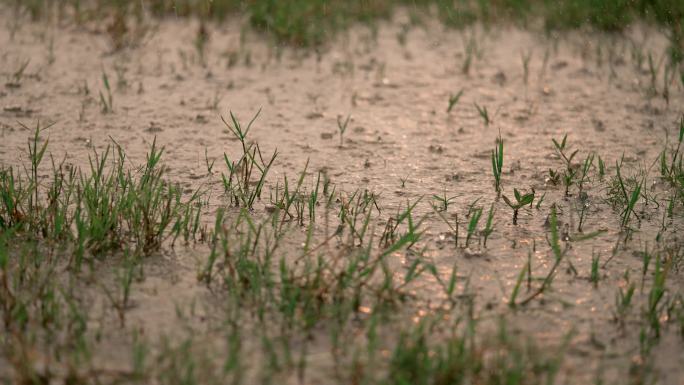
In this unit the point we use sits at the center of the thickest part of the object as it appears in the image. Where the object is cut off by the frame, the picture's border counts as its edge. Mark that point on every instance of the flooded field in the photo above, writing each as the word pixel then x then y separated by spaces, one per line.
pixel 406 204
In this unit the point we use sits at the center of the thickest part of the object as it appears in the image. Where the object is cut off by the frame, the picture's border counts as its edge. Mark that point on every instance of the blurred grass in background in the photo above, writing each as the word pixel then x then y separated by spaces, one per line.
pixel 313 22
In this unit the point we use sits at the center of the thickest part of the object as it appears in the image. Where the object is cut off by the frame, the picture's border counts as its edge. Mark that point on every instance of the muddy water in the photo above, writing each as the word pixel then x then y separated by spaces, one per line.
pixel 588 86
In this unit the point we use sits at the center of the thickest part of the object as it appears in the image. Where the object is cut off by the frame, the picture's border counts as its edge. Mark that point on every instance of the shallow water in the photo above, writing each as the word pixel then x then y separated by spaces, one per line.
pixel 588 86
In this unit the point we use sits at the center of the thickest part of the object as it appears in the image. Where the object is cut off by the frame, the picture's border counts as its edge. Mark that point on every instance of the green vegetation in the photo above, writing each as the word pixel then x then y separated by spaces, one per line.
pixel 15 77
pixel 497 163
pixel 621 196
pixel 460 358
pixel 312 22
pixel 101 210
pixel 521 200
pixel 475 215
pixel 109 217
pixel 443 201
pixel 279 272
pixel 106 99
pixel 239 184
pixel 342 127
pixel 489 227
pixel 570 171
pixel 453 100
pixel 671 163
pixel 484 114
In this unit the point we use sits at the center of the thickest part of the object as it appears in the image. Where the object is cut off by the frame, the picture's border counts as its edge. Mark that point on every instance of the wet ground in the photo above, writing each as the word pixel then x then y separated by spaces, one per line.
pixel 401 144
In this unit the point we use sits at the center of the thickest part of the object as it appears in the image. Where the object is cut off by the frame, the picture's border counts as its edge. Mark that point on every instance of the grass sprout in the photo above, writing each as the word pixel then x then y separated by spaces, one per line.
pixel 342 127
pixel 497 163
pixel 453 100
pixel 521 200
pixel 106 99
pixel 484 114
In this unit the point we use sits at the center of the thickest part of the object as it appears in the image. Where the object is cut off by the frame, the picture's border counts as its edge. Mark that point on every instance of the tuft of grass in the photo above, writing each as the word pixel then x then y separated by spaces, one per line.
pixel 629 199
pixel 247 175
pixel 100 209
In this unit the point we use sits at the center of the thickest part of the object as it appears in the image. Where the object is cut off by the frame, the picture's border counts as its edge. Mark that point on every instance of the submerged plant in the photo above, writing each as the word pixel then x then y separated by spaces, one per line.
pixel 520 202
pixel 403 180
pixel 475 215
pixel 106 100
pixel 671 166
pixel 489 227
pixel 570 171
pixel 629 200
pixel 588 162
pixel 453 228
pixel 595 277
pixel 518 282
pixel 558 255
pixel 342 127
pixel 453 100
pixel 584 205
pixel 497 163
pixel 656 297
pixel 443 200
pixel 623 302
pixel 484 114
pixel 601 168
pixel 15 78
pixel 207 162
pixel 120 298
pixel 526 56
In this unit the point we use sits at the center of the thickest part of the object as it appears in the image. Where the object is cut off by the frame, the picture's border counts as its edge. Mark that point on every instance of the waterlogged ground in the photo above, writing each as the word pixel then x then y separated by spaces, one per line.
pixel 401 145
